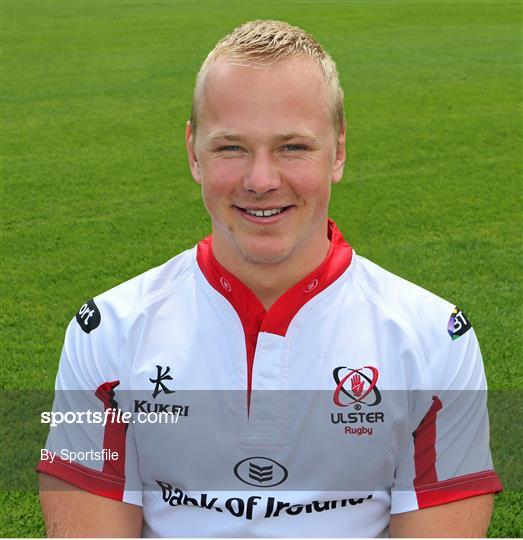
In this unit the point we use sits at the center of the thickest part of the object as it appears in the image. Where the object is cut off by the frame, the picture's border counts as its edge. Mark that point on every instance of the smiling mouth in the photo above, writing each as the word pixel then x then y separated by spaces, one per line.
pixel 266 212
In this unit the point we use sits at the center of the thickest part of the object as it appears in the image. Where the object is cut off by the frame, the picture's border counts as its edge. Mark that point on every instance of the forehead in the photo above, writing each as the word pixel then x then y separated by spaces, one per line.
pixel 289 95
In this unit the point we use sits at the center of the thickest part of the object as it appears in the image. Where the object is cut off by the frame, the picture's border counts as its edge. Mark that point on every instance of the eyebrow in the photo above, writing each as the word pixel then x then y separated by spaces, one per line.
pixel 286 136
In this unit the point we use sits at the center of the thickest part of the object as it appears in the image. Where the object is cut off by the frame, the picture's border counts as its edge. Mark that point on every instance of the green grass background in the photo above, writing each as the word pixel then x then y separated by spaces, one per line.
pixel 96 189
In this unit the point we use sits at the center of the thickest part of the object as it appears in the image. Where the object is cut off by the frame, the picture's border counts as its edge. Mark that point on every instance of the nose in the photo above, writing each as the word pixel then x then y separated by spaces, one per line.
pixel 262 174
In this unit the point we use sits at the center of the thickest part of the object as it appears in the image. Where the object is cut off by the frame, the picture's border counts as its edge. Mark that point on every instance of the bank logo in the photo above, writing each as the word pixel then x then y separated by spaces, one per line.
pixel 356 386
pixel 88 317
pixel 159 385
pixel 458 324
pixel 260 472
pixel 246 508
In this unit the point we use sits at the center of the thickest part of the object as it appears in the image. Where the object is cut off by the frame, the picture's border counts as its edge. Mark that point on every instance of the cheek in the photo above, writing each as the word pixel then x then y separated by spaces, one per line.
pixel 218 182
pixel 311 183
pixel 223 174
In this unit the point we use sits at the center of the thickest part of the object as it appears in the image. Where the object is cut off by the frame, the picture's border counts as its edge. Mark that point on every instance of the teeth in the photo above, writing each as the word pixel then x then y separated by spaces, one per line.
pixel 264 213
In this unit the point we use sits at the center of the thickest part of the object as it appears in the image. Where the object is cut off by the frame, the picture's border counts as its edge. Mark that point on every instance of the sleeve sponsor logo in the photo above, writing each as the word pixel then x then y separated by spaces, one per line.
pixel 88 317
pixel 458 324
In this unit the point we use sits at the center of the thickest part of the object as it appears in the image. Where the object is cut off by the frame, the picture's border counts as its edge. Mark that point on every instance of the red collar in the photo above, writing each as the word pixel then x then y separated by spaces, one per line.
pixel 278 318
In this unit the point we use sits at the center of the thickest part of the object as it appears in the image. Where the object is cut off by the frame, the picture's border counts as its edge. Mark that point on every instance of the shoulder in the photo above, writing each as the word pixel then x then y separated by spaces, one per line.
pixel 433 325
pixel 95 337
pixel 400 298
pixel 123 302
pixel 101 322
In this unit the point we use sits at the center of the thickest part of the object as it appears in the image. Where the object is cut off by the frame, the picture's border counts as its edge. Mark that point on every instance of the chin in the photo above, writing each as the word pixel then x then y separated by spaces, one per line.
pixel 267 255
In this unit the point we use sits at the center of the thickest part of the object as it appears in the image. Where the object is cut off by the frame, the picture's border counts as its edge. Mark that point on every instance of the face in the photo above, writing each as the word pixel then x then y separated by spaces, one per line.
pixel 266 154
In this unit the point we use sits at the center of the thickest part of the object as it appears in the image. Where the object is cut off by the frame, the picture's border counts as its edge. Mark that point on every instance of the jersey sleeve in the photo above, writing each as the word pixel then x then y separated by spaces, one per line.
pixel 90 443
pixel 448 456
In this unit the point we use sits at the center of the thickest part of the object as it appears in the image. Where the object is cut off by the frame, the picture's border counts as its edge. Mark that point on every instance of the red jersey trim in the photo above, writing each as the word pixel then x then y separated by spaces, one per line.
pixel 460 487
pixel 84 478
pixel 425 447
pixel 277 319
pixel 110 481
pixel 115 431
pixel 429 490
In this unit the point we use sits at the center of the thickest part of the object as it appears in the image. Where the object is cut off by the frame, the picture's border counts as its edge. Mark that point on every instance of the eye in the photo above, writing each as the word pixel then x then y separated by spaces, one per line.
pixel 295 147
pixel 229 148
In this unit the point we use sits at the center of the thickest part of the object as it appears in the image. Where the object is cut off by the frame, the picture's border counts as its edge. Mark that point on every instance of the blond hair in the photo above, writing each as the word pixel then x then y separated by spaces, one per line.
pixel 261 43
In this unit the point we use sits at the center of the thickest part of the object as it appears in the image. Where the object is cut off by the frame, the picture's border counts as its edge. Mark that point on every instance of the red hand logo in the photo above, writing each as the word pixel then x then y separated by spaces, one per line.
pixel 356 385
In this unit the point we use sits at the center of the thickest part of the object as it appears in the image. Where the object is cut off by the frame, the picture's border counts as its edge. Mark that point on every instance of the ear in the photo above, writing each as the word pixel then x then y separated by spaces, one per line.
pixel 341 156
pixel 191 154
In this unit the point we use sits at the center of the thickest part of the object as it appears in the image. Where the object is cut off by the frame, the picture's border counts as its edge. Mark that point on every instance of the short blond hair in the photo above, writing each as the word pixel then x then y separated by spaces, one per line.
pixel 262 43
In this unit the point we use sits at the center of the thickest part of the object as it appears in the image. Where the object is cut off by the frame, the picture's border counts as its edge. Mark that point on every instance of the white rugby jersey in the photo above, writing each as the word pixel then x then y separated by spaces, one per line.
pixel 356 395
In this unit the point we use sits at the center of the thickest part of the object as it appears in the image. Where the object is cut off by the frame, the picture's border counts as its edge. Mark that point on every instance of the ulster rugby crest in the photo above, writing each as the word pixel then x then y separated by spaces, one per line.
pixel 356 386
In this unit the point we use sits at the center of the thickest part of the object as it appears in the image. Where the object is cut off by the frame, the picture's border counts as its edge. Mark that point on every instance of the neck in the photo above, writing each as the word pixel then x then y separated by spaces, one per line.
pixel 269 281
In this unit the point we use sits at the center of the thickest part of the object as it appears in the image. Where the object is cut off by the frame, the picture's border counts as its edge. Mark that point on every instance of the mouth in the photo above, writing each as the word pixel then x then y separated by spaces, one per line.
pixel 264 215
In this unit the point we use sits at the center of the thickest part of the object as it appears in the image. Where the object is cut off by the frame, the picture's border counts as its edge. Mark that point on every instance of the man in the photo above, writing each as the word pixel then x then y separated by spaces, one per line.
pixel 315 393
